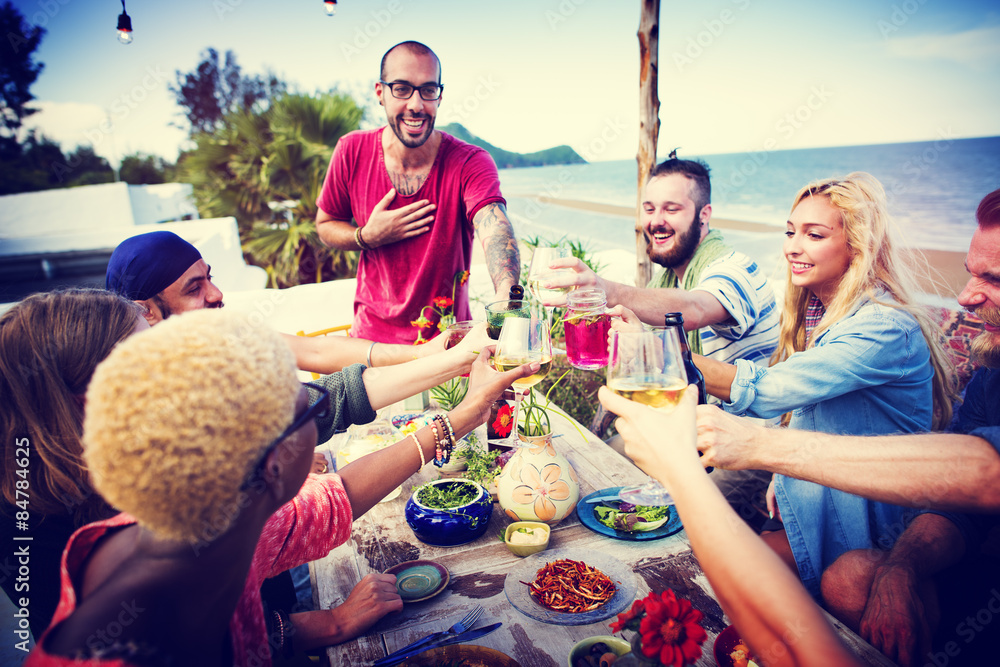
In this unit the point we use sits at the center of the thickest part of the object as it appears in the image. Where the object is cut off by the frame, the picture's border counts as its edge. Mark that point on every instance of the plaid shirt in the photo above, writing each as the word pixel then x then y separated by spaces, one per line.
pixel 814 313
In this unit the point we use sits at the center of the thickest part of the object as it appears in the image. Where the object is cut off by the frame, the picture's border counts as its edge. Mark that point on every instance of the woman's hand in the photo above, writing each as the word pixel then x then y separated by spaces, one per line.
pixel 623 319
pixel 661 443
pixel 474 341
pixel 772 501
pixel 486 385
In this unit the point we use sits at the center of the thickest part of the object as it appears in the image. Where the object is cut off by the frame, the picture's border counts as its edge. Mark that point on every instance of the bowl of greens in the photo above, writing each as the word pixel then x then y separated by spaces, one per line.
pixel 449 512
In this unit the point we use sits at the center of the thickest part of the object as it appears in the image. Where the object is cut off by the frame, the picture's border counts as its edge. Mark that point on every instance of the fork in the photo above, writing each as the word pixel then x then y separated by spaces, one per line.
pixel 467 622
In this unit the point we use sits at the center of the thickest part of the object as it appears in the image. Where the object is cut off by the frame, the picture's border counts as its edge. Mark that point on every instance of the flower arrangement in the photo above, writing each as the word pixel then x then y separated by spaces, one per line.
pixel 668 628
pixel 441 311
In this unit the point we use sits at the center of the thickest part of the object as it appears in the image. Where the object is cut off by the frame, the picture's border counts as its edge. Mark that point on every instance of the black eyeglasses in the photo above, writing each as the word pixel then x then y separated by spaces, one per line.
pixel 319 407
pixel 404 91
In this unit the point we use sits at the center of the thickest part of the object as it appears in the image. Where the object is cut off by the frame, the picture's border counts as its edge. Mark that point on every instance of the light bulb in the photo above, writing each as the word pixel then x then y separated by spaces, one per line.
pixel 331 7
pixel 125 36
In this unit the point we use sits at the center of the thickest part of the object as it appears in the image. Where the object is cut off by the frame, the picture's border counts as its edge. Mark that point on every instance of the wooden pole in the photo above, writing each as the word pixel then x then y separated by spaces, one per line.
pixel 649 122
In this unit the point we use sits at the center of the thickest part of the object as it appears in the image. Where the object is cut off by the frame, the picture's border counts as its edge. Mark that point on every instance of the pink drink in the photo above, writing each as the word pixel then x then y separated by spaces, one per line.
pixel 587 328
pixel 587 341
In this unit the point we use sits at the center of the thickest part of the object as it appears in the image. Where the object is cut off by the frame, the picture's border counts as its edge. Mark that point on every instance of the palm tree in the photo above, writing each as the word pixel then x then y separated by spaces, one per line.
pixel 267 168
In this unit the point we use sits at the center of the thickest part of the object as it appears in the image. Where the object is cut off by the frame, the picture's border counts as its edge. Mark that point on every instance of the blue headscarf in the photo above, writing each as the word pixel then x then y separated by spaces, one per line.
pixel 143 266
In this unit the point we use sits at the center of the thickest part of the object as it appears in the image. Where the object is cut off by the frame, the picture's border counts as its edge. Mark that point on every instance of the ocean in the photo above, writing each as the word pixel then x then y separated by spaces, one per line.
pixel 933 189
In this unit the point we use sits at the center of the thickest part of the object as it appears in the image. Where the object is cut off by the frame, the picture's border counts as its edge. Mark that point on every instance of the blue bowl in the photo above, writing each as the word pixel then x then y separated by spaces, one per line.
pixel 454 526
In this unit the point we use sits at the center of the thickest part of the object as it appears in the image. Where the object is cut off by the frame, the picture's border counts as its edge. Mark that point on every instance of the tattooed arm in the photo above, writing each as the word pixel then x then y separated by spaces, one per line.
pixel 503 260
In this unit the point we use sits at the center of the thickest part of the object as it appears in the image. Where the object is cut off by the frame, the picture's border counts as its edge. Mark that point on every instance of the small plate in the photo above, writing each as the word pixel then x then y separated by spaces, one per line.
pixel 419 420
pixel 526 571
pixel 418 580
pixel 464 654
pixel 588 516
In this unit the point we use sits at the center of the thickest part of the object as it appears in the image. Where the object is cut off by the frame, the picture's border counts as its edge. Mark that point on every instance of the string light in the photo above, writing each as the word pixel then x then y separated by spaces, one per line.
pixel 331 7
pixel 124 26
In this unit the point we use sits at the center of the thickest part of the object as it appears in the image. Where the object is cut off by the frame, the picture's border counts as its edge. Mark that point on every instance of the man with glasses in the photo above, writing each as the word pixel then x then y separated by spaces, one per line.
pixel 417 195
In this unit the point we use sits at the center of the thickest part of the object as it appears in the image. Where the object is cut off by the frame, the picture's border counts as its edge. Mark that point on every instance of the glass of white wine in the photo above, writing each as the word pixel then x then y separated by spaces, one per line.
pixel 647 367
pixel 539 272
pixel 524 339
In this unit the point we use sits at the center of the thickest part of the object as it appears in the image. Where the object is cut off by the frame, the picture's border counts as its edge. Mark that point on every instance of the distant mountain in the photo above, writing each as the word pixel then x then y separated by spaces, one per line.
pixel 505 159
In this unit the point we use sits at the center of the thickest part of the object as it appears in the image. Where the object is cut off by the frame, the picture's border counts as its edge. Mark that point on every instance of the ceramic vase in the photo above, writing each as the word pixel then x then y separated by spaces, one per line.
pixel 538 483
pixel 453 526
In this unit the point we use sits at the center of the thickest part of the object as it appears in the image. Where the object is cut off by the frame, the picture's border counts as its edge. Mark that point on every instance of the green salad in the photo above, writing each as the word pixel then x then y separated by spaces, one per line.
pixel 632 518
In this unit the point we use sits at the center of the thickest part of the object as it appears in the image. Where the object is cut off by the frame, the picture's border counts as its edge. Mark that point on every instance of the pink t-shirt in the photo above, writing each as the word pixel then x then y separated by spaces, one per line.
pixel 307 527
pixel 397 280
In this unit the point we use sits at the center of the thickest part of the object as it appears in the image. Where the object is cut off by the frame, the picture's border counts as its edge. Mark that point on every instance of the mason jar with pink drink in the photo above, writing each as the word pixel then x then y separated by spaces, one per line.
pixel 587 325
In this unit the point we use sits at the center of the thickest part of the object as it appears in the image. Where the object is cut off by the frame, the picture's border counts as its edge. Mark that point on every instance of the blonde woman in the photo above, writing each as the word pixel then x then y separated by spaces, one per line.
pixel 856 355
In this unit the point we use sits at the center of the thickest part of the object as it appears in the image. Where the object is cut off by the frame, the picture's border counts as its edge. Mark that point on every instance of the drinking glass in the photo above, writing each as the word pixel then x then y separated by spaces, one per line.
pixel 523 340
pixel 539 272
pixel 498 311
pixel 647 367
pixel 454 334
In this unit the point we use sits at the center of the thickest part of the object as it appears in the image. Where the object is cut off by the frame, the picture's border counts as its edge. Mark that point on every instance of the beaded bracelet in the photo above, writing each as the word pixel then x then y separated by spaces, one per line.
pixel 420 450
pixel 438 454
pixel 284 646
pixel 444 444
pixel 451 431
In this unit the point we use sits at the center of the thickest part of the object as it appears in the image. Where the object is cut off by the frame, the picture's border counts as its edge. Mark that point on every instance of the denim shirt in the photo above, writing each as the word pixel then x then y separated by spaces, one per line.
pixel 868 374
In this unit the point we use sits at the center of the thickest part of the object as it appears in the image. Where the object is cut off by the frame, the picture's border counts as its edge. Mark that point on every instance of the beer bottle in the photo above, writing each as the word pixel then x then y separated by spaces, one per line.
pixel 694 375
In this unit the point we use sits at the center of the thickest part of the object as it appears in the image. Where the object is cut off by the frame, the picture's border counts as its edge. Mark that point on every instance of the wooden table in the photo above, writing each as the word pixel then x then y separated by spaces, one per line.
pixel 382 539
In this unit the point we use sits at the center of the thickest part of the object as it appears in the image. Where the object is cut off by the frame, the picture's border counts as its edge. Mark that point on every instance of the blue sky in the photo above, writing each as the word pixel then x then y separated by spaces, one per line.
pixel 734 75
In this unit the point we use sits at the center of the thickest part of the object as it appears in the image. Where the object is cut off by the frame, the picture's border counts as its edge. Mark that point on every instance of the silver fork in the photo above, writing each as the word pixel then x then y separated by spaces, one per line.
pixel 466 623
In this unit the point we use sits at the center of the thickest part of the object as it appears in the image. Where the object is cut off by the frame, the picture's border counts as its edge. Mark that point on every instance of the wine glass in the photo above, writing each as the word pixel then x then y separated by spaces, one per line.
pixel 523 340
pixel 647 367
pixel 539 272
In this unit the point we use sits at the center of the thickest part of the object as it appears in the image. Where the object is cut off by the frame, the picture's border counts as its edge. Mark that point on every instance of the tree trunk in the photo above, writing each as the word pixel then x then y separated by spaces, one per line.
pixel 649 122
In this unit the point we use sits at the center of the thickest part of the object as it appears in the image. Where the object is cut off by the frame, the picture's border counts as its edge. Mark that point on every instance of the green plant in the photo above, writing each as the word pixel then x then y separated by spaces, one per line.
pixel 534 417
pixel 449 394
pixel 448 495
pixel 481 466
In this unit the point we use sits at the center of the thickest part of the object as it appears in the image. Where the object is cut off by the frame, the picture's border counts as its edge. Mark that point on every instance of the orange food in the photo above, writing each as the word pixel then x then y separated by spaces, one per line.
pixel 741 656
pixel 571 586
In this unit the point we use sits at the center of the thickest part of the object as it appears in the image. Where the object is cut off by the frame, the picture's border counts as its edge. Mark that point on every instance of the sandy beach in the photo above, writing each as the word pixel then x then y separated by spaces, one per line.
pixel 947 269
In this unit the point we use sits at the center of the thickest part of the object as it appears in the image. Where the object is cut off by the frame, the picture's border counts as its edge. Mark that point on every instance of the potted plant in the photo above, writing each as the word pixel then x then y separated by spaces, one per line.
pixel 448 512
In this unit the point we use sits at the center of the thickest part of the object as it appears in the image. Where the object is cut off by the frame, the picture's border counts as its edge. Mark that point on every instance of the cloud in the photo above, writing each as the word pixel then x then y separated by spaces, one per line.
pixel 978 48
pixel 72 124
pixel 66 123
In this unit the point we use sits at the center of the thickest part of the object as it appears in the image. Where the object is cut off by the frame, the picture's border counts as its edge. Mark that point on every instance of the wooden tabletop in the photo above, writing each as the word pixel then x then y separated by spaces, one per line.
pixel 381 539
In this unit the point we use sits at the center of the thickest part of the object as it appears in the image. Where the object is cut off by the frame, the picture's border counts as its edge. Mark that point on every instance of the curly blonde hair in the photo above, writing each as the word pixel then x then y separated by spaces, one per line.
pixel 178 415
pixel 876 264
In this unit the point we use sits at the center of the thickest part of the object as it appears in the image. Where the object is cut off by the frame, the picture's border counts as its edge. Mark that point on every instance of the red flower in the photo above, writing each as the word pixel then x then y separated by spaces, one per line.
pixel 504 421
pixel 463 277
pixel 442 302
pixel 670 629
pixel 625 618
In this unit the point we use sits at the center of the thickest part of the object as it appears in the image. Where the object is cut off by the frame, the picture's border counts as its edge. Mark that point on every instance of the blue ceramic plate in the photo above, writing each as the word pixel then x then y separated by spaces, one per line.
pixel 526 571
pixel 588 517
pixel 419 418
pixel 418 580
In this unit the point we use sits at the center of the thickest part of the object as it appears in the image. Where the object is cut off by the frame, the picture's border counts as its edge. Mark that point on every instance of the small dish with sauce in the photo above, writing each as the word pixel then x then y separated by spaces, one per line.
pixel 524 538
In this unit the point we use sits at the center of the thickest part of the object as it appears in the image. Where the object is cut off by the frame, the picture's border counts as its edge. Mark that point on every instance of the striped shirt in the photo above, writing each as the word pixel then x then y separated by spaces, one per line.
pixel 751 332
